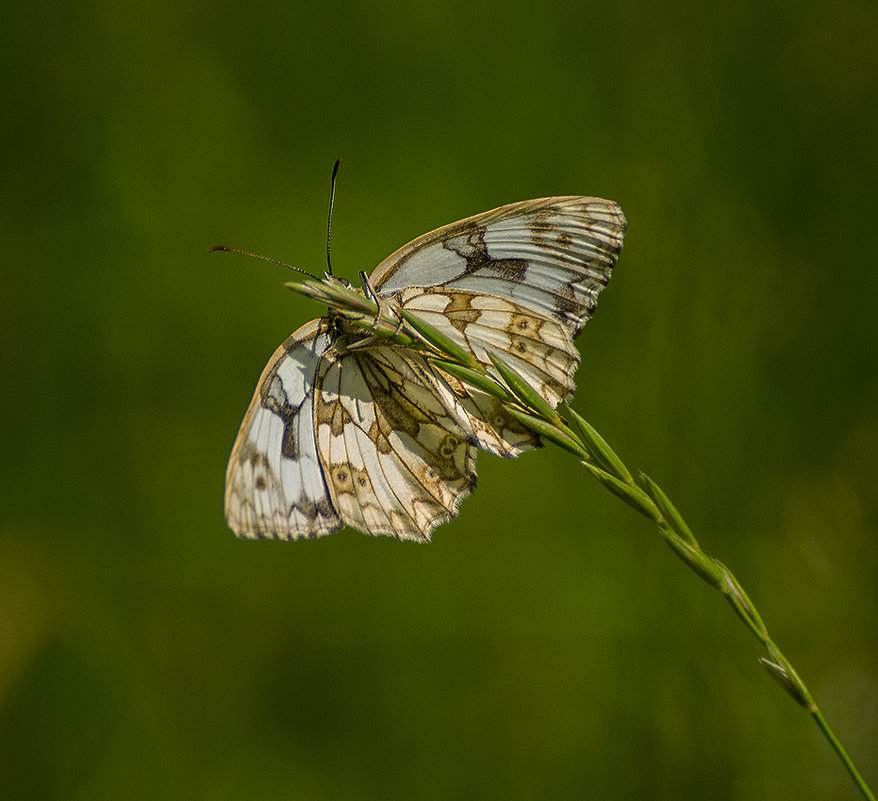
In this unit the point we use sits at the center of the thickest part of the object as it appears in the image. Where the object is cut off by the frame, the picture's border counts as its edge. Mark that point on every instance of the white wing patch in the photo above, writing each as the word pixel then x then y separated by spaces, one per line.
pixel 378 439
pixel 274 482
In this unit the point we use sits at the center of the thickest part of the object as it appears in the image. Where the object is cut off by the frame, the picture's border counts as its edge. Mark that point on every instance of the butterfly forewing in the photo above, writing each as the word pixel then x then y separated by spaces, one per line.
pixel 377 438
pixel 552 255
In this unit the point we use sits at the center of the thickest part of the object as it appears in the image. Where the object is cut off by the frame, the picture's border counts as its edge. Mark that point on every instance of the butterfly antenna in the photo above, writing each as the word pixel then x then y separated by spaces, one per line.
pixel 331 201
pixel 264 258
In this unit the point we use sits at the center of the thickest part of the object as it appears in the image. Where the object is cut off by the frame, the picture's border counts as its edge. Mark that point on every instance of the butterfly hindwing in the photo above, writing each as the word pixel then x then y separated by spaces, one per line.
pixel 274 482
pixel 397 461
pixel 538 347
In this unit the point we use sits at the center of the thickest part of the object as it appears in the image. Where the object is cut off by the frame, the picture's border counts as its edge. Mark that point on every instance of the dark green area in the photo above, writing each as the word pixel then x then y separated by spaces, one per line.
pixel 547 645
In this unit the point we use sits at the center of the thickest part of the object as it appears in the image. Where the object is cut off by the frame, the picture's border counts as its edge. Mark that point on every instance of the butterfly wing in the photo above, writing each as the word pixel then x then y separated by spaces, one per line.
pixel 537 347
pixel 274 482
pixel 551 256
pixel 521 280
pixel 395 457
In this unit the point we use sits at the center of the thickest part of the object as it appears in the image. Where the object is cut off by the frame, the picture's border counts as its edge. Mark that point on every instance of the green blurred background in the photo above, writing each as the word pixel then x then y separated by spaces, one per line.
pixel 547 645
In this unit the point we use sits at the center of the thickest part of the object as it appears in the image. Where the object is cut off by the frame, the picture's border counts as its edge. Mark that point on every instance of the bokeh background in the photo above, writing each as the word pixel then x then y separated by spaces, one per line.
pixel 547 645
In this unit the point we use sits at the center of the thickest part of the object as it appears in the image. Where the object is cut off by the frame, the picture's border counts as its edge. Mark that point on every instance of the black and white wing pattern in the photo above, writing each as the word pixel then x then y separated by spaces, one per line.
pixel 377 438
pixel 274 480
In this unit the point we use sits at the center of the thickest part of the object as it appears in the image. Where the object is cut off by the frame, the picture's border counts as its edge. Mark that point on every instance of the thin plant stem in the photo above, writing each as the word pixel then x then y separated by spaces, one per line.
pixel 677 534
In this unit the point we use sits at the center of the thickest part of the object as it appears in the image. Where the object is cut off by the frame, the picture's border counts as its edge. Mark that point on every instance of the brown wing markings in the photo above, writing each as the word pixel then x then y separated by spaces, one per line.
pixel 405 416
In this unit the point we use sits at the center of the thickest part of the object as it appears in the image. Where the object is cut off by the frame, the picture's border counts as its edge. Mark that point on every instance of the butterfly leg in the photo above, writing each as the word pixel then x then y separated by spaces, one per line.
pixel 371 294
pixel 385 307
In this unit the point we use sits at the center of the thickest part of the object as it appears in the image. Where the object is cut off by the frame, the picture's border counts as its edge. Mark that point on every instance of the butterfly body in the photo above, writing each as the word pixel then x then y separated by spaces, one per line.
pixel 347 429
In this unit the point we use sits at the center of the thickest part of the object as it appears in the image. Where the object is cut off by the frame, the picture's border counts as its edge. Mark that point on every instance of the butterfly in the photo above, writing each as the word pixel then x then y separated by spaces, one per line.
pixel 343 431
